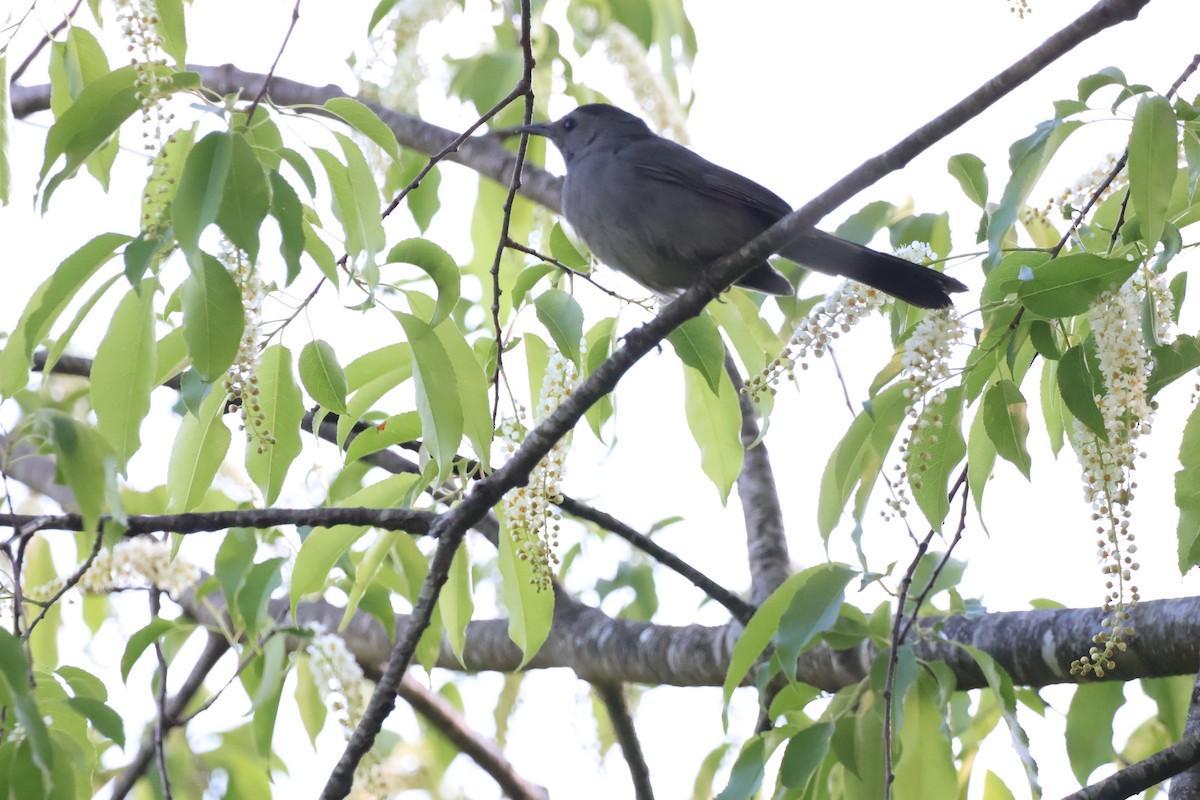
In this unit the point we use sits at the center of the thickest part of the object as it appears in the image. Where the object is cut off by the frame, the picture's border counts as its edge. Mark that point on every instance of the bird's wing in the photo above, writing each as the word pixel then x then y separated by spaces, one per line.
pixel 666 161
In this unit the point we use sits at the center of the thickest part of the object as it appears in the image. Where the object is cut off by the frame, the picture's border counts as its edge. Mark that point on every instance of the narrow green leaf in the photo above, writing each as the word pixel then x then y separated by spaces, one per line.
pixel 123 373
pixel 104 720
pixel 366 121
pixel 260 581
pixel 370 377
pixel 563 249
pixel 6 119
pixel 699 345
pixel 394 430
pixel 472 390
pixel 322 375
pixel 456 603
pixel 213 320
pixel 47 304
pixel 1187 494
pixel 323 547
pixel 438 399
pixel 1007 426
pixel 381 10
pixel 309 700
pixel 1153 162
pixel 858 458
pixel 968 170
pixel 1078 386
pixel 83 462
pixel 926 766
pixel 245 199
pixel 201 191
pixel 163 183
pixel 287 211
pixel 231 567
pixel 525 282
pixel 368 236
pixel 746 776
pixel 170 29
pixel 439 265
pixel 265 699
pixel 282 409
pixel 981 459
pixel 563 318
pixel 935 452
pixel 530 609
pixel 715 420
pixel 143 638
pixel 1173 361
pixel 199 449
pixel 599 339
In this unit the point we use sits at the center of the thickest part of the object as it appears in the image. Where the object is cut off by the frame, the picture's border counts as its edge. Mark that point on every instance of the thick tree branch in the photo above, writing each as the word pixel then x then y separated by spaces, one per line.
pixel 392 519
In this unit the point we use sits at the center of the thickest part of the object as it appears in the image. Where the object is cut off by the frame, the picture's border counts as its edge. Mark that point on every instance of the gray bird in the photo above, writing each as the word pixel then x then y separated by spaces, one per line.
pixel 660 213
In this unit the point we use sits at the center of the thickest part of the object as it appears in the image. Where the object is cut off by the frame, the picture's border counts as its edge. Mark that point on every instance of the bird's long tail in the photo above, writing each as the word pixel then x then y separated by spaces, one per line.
pixel 905 280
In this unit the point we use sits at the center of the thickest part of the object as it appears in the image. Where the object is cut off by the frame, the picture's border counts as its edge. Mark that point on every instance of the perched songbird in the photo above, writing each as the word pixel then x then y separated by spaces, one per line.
pixel 660 213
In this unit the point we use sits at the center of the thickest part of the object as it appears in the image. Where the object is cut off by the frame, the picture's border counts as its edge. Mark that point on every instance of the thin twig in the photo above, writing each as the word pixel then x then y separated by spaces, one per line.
pixel 612 695
pixel 262 92
pixel 70 582
pixel 45 40
pixel 161 725
pixel 554 262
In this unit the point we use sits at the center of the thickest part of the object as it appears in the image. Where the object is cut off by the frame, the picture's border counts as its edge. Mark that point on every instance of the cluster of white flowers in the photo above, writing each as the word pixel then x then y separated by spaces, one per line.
pixel 1073 199
pixel 131 564
pixel 395 66
pixel 652 93
pixel 1127 411
pixel 241 381
pixel 926 359
pixel 837 314
pixel 533 521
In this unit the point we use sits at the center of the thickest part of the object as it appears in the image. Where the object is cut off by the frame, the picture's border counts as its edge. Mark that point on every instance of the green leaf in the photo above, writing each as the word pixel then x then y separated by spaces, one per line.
pixel 968 170
pixel 455 602
pixel 1153 162
pixel 309 701
pixel 472 390
pixel 323 547
pixel 381 11
pixel 83 462
pixel 1173 361
pixel 233 561
pixel 981 458
pixel 1069 285
pixel 394 430
pixel 563 318
pixel 143 638
pixel 1078 386
pixel 439 265
pixel 599 339
pixel 287 211
pixel 926 766
pixel 246 198
pixel 746 776
pixel 857 460
pixel 804 754
pixel 15 672
pixel 199 449
pixel 97 114
pixel 270 670
pixel 715 420
pixel 171 30
pixel 366 121
pixel 1027 158
pixel 812 610
pixel 370 377
pixel 699 345
pixel 438 400
pixel 213 320
pixel 563 249
pixel 107 723
pixel 530 609
pixel 282 409
pixel 1098 80
pixel 1006 423
pixel 6 119
pixel 201 191
pixel 47 304
pixel 762 627
pixel 260 581
pixel 123 373
pixel 525 282
pixel 1187 494
pixel 322 375
pixel 355 202
pixel 1089 730
pixel 934 453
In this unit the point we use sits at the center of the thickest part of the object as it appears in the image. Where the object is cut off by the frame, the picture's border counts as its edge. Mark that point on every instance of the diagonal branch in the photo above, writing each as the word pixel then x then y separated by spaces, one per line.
pixel 617 705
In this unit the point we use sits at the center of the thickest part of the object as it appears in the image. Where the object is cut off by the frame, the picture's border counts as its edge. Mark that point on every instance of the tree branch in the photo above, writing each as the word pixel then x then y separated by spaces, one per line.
pixel 612 695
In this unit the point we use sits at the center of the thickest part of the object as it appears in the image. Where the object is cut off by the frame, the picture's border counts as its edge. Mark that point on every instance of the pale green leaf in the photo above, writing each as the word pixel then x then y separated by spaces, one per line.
pixel 699 345
pixel 563 318
pixel 170 29
pixel 1089 733
pixel 213 320
pixel 455 602
pixel 715 420
pixel 472 390
pixel 322 375
pixel 123 373
pixel 6 118
pixel 438 400
pixel 246 197
pixel 530 608
pixel 199 449
pixel 935 452
pixel 1153 162
pixel 198 198
pixel 1006 423
pixel 439 265
pixel 366 121
pixel 282 408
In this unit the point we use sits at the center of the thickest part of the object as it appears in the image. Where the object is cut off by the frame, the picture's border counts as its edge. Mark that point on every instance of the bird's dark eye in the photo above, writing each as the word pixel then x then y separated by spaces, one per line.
pixel 568 125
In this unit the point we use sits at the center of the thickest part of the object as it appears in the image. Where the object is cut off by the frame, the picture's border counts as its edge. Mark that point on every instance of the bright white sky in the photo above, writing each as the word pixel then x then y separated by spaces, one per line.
pixel 793 95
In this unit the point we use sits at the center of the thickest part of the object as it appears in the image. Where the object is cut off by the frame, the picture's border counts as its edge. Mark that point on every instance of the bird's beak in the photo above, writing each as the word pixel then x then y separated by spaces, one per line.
pixel 536 129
